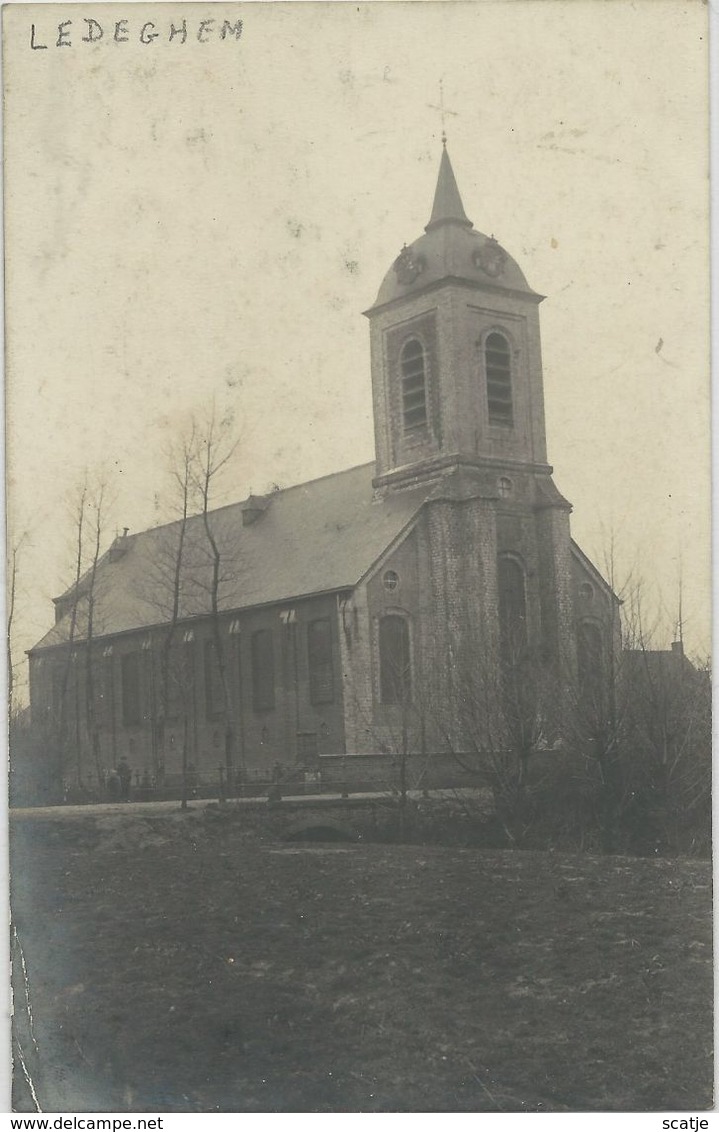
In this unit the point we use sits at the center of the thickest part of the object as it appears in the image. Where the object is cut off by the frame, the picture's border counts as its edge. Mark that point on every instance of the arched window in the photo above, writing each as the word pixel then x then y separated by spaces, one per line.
pixel 512 608
pixel 214 691
pixel 499 380
pixel 395 673
pixel 181 679
pixel 131 694
pixel 319 661
pixel 263 670
pixel 414 392
pixel 590 655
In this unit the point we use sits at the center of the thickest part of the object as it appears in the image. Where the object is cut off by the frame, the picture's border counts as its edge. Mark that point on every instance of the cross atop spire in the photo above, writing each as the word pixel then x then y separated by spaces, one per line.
pixel 443 111
pixel 447 207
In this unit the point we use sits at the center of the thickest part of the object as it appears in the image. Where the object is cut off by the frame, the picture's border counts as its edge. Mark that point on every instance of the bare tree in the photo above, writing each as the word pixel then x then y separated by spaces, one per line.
pixel 510 713
pixel 190 566
pixel 28 755
pixel 666 753
pixel 71 721
pixel 97 515
pixel 214 449
pixel 640 719
pixel 12 594
pixel 70 608
pixel 168 584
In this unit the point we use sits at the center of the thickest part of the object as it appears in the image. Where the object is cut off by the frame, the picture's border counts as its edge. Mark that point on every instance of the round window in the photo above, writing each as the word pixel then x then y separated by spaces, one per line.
pixel 586 590
pixel 390 580
pixel 505 487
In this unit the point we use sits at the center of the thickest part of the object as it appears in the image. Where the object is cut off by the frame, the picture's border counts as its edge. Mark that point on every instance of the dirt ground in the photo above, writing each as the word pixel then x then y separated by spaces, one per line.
pixel 174 962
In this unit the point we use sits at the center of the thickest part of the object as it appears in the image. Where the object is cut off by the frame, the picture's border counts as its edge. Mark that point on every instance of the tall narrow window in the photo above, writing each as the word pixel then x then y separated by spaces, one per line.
pixel 589 656
pixel 263 670
pixel 102 693
pixel 180 680
pixel 319 660
pixel 131 705
pixel 394 661
pixel 499 380
pixel 414 393
pixel 59 694
pixel 512 609
pixel 214 693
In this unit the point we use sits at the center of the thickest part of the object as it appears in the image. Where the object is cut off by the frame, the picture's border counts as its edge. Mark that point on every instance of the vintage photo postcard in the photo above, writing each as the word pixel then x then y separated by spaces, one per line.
pixel 357 390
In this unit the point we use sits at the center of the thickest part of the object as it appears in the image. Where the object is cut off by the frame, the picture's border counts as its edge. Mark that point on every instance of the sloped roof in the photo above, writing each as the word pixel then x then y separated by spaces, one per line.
pixel 315 537
pixel 660 664
pixel 588 565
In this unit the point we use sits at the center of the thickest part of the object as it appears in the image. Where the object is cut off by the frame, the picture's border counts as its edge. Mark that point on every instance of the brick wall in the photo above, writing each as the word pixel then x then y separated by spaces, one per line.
pixel 557 589
pixel 454 321
pixel 262 735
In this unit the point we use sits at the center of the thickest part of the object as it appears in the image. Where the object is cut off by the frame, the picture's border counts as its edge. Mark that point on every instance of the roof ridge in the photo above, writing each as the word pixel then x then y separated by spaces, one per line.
pixel 239 502
pixel 167 526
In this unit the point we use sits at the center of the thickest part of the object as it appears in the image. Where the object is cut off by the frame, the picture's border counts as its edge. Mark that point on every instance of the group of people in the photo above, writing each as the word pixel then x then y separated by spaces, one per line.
pixel 117 782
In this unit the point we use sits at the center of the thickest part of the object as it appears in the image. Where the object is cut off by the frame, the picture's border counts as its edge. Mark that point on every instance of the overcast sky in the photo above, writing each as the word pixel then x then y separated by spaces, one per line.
pixel 195 220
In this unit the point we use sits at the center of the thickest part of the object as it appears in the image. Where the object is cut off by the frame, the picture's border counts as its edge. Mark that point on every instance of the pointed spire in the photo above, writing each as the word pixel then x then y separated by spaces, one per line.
pixel 447 201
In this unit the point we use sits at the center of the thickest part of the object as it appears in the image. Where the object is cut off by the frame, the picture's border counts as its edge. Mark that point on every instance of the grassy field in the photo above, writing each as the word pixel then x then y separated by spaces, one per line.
pixel 177 964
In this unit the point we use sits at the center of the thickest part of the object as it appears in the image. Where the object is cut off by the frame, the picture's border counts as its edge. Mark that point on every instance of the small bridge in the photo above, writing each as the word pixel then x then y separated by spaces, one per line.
pixel 371 816
pixel 357 817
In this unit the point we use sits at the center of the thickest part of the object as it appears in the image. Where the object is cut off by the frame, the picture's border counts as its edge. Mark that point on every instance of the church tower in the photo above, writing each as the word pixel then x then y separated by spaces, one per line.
pixel 456 361
pixel 459 410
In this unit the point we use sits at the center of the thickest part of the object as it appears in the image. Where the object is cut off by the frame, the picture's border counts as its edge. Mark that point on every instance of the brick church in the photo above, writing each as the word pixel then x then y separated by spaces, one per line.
pixel 372 608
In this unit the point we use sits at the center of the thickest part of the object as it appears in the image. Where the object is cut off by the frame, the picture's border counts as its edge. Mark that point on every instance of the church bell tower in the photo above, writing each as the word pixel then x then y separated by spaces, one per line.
pixel 459 410
pixel 456 361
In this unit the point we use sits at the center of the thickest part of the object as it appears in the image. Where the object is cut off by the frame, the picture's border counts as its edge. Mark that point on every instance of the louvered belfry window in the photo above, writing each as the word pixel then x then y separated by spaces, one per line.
pixel 499 380
pixel 414 391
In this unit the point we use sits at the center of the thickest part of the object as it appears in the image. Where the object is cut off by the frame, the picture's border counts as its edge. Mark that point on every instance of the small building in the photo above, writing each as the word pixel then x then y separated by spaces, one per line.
pixel 372 611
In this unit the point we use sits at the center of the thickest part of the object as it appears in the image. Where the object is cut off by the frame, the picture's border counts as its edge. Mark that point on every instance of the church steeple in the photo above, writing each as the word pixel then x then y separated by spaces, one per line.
pixel 456 362
pixel 447 206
